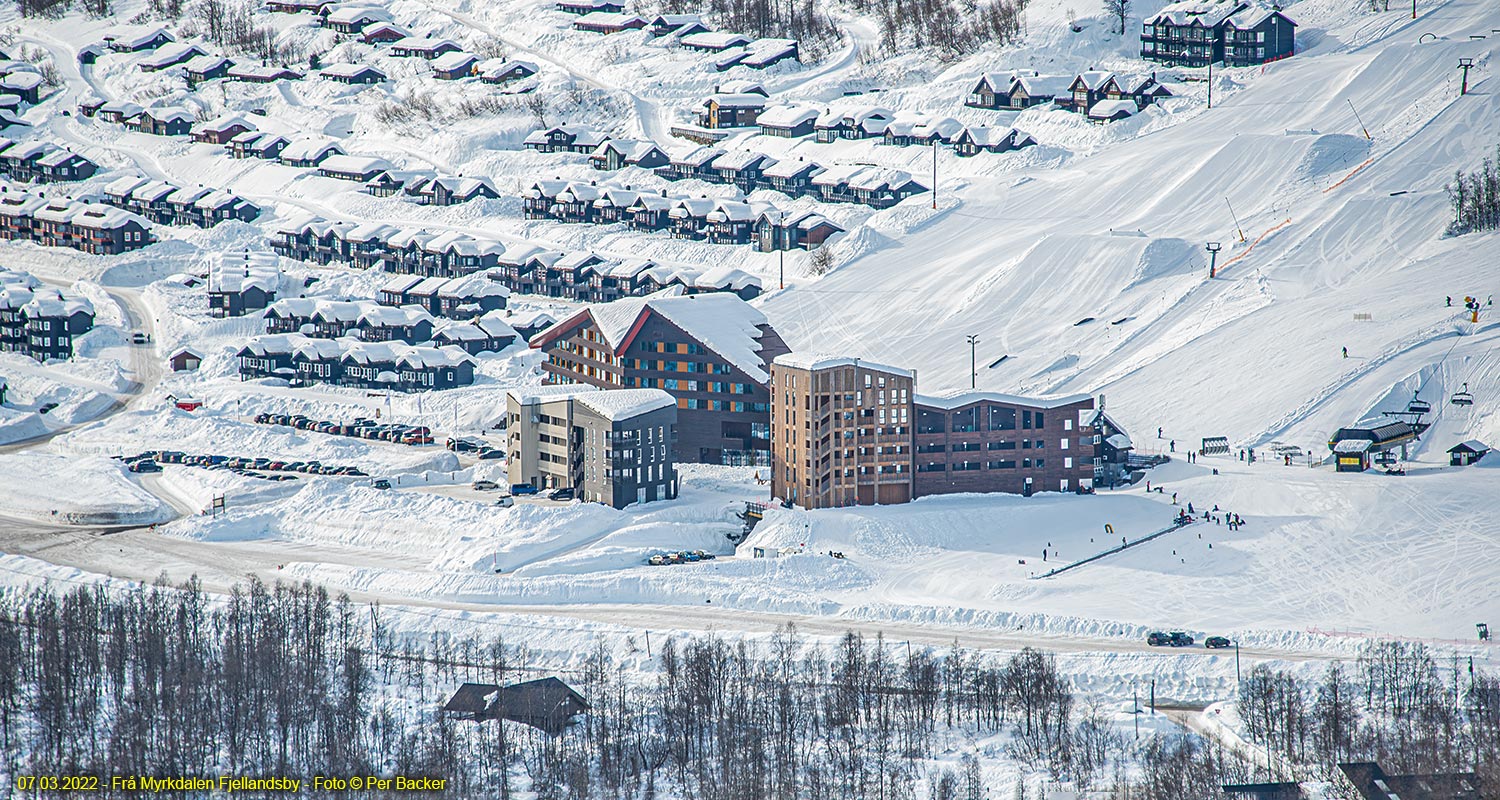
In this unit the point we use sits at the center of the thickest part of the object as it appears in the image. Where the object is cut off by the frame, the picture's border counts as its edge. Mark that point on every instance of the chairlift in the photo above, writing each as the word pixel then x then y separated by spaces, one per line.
pixel 1418 407
pixel 1462 397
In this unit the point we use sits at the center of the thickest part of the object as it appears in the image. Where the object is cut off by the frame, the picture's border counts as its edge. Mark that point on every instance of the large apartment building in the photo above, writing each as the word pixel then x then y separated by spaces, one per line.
pixel 991 442
pixel 711 352
pixel 1196 33
pixel 842 431
pixel 612 447
pixel 850 432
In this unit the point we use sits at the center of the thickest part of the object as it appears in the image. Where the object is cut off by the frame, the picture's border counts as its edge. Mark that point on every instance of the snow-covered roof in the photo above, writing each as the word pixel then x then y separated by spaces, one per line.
pixel 736 100
pixel 169 54
pixel 474 285
pixel 423 44
pixel 24 81
pixel 205 63
pixel 959 399
pixel 1108 109
pixel 348 15
pixel 457 59
pixel 169 114
pixel 1472 445
pixel 500 66
pixel 1253 15
pixel 715 40
pixel 985 136
pixel 349 70
pixel 223 123
pixel 786 116
pixel 1036 85
pixel 1119 441
pixel 303 149
pixel 1208 14
pixel 357 165
pixel 1352 445
pixel 135 37
pixel 723 322
pixel 816 361
pixel 789 168
pixel 741 160
pixel 620 404
pixel 609 19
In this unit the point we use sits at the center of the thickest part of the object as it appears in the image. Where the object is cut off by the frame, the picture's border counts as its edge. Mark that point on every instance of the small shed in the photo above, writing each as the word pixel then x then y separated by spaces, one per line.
pixel 187 403
pixel 1465 453
pixel 185 360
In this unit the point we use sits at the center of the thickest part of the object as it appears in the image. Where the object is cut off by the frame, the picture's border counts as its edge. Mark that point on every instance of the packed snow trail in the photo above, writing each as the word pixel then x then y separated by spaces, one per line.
pixel 139 554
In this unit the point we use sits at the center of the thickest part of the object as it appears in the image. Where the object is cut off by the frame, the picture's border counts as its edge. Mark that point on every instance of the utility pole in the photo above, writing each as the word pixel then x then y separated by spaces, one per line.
pixel 1210 82
pixel 1465 64
pixel 1236 664
pixel 973 362
pixel 781 250
pixel 1237 228
pixel 934 172
pixel 1136 693
pixel 1213 249
pixel 1413 9
pixel 1153 697
pixel 1360 121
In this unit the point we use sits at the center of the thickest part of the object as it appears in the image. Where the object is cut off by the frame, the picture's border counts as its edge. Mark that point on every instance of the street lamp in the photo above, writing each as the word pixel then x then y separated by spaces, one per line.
pixel 1465 64
pixel 973 340
pixel 1213 249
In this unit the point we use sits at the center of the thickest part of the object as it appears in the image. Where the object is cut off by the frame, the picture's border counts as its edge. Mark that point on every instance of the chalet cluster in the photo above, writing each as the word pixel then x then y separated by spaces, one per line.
pixel 59 222
pixel 848 432
pixel 238 288
pixel 166 204
pixel 453 298
pixel 689 31
pixel 379 176
pixel 1100 95
pixel 43 162
pixel 716 220
pixel 862 184
pixel 519 268
pixel 373 25
pixel 368 321
pixel 1232 32
pixel 38 321
pixel 304 361
pixel 162 52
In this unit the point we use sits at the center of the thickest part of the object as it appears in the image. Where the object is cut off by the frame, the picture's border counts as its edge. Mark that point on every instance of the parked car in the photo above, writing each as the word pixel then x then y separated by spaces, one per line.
pixel 561 493
pixel 522 488
pixel 380 483
pixel 46 407
pixel 506 501
pixel 1217 642
pixel 1173 639
pixel 139 338
pixel 485 486
pixel 490 453
pixel 466 444
pixel 145 466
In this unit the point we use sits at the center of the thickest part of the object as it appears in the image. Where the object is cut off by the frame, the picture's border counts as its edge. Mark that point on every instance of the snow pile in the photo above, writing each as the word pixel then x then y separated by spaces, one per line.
pixel 75 491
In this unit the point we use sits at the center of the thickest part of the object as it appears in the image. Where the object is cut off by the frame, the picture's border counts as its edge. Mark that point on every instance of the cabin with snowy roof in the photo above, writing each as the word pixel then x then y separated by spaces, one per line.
pixel 619 153
pixel 354 74
pixel 206 68
pixel 565 139
pixel 730 110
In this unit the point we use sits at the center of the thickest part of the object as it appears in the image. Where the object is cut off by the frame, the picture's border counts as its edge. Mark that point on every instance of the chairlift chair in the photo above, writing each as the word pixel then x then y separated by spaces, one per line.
pixel 1417 406
pixel 1462 397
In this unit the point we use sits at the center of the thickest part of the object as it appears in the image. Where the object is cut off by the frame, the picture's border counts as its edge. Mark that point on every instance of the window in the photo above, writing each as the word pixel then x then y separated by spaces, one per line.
pixel 1067 424
pixel 1068 462
pixel 1064 443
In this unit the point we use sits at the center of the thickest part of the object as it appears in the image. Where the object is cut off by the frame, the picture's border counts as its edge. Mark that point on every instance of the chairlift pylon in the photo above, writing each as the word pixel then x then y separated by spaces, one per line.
pixel 1462 397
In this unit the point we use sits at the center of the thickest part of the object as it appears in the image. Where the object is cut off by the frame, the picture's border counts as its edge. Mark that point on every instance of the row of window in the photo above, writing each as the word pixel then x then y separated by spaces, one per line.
pixel 964 466
pixel 693 403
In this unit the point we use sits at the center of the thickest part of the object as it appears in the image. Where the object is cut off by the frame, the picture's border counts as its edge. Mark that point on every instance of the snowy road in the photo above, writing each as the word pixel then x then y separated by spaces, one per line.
pixel 145 368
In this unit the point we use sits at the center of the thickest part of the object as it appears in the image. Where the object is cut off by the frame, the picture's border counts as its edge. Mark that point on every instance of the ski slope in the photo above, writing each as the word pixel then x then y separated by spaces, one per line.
pixel 1334 225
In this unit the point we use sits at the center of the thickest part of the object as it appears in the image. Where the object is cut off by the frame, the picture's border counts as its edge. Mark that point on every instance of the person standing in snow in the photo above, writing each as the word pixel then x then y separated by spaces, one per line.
pixel 1158 432
pixel 1346 352
pixel 1450 301
pixel 1172 445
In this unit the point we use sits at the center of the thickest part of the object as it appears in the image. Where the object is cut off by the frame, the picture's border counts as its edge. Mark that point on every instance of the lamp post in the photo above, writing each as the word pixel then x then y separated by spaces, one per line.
pixel 1465 64
pixel 1213 249
pixel 780 242
pixel 973 363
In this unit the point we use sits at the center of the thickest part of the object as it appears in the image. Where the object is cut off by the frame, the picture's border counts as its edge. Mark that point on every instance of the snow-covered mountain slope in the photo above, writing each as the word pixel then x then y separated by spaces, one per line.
pixel 1334 225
